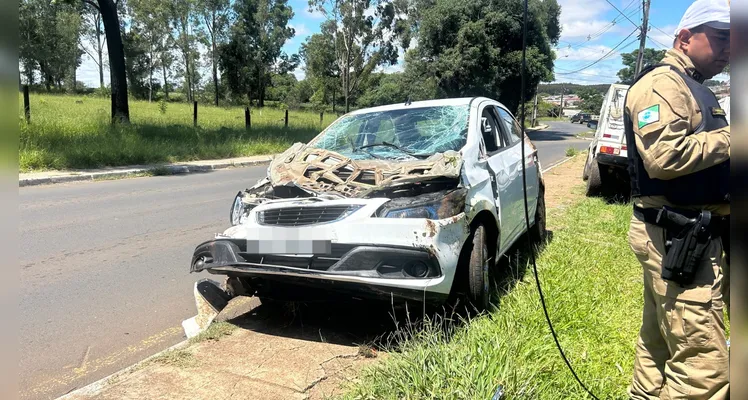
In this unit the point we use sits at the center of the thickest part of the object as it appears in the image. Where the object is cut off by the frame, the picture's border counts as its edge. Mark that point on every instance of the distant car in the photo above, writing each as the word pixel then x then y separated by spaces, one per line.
pixel 582 118
pixel 409 201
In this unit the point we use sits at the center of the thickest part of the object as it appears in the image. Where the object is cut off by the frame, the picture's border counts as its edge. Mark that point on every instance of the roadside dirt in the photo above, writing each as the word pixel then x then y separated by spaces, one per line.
pixel 564 185
pixel 284 351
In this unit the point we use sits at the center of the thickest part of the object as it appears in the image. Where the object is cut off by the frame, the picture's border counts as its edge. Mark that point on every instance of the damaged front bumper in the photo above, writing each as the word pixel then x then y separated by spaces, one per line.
pixel 361 254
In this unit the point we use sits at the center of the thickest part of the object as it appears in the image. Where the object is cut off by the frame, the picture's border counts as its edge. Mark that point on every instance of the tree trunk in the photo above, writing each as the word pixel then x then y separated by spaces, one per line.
pixel 213 59
pixel 347 83
pixel 166 82
pixel 75 78
pixel 150 75
pixel 120 106
pixel 334 93
pixel 100 50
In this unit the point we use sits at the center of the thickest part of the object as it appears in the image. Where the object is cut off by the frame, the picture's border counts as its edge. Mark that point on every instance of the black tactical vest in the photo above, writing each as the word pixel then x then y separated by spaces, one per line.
pixel 708 186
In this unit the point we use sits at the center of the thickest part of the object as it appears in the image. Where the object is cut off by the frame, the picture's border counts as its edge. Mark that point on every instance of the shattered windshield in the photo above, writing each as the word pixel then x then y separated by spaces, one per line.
pixel 398 134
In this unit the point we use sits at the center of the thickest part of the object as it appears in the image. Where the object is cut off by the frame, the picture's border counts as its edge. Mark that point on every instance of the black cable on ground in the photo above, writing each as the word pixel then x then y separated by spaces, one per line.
pixel 527 212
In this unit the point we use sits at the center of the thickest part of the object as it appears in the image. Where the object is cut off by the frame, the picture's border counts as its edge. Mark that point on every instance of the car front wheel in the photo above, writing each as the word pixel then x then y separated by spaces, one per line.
pixel 539 229
pixel 479 270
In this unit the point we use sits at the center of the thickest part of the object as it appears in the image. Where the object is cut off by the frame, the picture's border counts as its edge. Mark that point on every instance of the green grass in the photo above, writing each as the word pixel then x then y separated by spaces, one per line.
pixel 71 132
pixel 570 152
pixel 593 289
pixel 215 331
pixel 175 358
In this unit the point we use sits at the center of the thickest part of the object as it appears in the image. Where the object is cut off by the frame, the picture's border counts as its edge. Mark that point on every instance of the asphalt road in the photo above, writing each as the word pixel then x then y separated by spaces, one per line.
pixel 104 266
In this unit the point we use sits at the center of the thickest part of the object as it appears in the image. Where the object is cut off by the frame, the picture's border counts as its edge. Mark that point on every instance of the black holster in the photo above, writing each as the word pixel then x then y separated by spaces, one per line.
pixel 687 236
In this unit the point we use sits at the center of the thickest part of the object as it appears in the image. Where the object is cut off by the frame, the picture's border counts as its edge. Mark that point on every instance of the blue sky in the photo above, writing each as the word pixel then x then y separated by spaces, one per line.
pixel 588 33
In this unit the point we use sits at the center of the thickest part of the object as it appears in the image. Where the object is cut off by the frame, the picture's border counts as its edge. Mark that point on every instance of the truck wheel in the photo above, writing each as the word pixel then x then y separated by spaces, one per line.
pixel 479 270
pixel 585 170
pixel 594 179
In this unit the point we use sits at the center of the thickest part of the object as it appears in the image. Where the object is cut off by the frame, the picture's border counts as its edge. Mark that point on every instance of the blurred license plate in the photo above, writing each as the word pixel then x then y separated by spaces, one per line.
pixel 289 246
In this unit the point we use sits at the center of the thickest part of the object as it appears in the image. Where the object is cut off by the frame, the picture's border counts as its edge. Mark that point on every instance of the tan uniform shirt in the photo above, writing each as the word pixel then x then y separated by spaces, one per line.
pixel 661 140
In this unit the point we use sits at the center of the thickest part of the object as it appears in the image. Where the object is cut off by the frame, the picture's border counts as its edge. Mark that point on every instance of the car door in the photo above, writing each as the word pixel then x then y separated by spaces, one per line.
pixel 499 170
pixel 513 157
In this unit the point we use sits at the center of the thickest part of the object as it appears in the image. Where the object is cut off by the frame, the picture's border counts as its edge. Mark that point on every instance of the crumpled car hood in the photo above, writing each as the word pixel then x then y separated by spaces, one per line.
pixel 325 171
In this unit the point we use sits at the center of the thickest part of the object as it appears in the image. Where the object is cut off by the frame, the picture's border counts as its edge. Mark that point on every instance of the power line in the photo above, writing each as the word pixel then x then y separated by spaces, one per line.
pixel 621 12
pixel 601 31
pixel 603 57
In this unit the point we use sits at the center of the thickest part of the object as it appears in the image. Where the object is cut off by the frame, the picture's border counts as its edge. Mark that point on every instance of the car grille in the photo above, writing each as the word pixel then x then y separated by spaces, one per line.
pixel 298 216
pixel 319 263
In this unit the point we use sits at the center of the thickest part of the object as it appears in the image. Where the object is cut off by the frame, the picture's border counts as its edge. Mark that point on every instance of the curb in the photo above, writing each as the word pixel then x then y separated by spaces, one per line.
pixel 173 169
pixel 559 163
pixel 537 128
pixel 98 385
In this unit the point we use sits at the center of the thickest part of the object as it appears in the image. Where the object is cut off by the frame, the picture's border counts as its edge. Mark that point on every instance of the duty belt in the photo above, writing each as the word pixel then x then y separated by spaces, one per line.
pixel 653 216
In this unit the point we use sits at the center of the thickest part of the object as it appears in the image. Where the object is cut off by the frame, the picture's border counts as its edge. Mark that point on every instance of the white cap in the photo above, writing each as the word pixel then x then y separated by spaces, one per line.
pixel 713 13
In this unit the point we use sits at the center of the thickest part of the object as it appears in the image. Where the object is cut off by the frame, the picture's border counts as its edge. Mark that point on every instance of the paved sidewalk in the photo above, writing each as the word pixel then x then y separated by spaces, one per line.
pixel 50 177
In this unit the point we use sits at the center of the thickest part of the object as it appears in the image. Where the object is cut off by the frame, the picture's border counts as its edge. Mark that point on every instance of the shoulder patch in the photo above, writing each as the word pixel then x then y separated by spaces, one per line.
pixel 649 115
pixel 718 112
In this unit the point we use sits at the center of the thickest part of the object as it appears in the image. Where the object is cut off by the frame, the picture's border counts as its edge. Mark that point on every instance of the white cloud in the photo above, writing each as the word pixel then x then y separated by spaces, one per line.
pixel 589 53
pixel 314 14
pixel 301 30
pixel 582 10
pixel 661 40
pixel 299 73
pixel 580 18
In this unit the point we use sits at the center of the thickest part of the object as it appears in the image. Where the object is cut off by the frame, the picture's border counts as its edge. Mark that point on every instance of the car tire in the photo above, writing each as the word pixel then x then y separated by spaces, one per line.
pixel 479 270
pixel 538 230
pixel 595 184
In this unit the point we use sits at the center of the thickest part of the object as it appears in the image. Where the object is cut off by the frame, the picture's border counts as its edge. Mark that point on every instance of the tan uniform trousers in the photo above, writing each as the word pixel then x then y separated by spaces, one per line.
pixel 681 352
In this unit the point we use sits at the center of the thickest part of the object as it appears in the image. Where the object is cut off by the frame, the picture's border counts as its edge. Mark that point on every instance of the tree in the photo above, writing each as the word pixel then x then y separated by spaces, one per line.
pixel 320 63
pixel 215 16
pixel 93 33
pixel 272 18
pixel 117 76
pixel 49 35
pixel 253 52
pixel 474 48
pixel 151 17
pixel 651 57
pixel 182 15
pixel 359 40
pixel 592 101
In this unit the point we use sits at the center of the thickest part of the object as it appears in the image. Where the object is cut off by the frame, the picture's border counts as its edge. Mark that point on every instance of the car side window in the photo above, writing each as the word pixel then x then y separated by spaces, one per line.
pixel 489 128
pixel 512 127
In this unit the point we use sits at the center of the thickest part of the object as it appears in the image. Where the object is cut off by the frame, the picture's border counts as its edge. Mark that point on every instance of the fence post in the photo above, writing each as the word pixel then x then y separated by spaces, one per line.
pixel 321 115
pixel 26 106
pixel 286 123
pixel 247 119
pixel 194 118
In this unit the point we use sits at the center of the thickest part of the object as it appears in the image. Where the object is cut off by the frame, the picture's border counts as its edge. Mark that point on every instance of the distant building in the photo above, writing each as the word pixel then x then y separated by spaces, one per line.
pixel 570 100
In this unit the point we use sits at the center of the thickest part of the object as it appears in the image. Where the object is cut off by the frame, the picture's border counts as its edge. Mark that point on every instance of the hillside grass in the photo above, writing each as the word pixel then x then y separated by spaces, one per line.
pixel 73 132
pixel 593 289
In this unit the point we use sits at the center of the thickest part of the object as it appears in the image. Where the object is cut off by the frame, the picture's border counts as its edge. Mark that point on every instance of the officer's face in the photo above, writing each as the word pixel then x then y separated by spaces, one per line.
pixel 708 49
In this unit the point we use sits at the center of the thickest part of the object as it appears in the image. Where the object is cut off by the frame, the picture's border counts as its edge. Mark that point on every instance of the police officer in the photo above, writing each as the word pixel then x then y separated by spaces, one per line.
pixel 679 152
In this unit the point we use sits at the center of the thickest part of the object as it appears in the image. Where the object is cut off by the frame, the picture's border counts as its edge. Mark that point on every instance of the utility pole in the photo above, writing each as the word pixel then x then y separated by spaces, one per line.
pixel 642 38
pixel 535 111
pixel 563 89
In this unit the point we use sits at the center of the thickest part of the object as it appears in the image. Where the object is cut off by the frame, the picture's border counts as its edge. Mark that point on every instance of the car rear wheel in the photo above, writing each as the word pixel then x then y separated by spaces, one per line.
pixel 479 270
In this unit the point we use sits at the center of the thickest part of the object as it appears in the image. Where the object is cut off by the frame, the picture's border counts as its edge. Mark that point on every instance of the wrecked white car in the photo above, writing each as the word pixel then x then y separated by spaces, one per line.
pixel 410 201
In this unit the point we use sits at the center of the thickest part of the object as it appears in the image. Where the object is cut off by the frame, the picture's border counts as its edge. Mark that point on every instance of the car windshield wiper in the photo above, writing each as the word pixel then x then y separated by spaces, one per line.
pixel 408 152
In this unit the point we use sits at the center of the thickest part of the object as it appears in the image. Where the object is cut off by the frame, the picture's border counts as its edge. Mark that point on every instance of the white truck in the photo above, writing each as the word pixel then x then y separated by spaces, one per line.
pixel 606 170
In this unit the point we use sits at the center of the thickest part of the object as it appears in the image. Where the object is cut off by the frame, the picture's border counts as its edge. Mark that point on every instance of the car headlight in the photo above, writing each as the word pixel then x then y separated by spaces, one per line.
pixel 237 210
pixel 432 206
